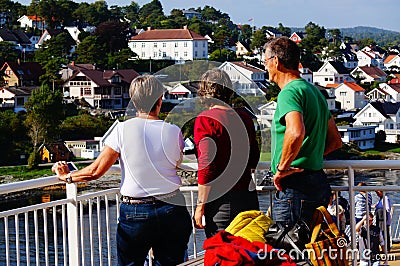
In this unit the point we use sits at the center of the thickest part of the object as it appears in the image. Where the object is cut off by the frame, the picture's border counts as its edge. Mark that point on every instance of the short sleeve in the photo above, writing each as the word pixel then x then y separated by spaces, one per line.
pixel 288 101
pixel 113 140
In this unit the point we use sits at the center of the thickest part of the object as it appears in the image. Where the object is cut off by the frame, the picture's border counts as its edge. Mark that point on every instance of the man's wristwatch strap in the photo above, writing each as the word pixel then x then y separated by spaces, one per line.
pixel 282 171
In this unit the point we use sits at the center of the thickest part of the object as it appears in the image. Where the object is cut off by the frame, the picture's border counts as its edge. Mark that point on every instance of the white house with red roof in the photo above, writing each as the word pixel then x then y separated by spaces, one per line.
pixel 246 78
pixel 350 95
pixel 331 72
pixel 297 36
pixel 392 62
pixel 368 74
pixel 169 44
pixel 32 22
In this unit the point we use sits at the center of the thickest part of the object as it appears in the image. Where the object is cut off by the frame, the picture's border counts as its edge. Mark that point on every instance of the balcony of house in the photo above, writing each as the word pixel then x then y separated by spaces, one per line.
pixel 79 228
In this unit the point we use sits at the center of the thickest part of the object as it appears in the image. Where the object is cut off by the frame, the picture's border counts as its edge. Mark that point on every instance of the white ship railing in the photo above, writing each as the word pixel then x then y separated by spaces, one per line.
pixel 84 233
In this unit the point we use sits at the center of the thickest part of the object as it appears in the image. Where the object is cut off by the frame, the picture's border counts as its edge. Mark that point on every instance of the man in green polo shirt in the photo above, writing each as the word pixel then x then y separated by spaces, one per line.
pixel 303 131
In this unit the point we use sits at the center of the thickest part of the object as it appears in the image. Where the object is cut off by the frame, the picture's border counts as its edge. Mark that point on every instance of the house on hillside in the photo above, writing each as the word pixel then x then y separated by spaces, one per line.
pixel 54 152
pixel 306 73
pixel 108 89
pixel 88 149
pixel 15 97
pixel 21 74
pixel 297 36
pixel 191 13
pixel 391 92
pixel 392 63
pixel 33 22
pixel 169 44
pixel 378 94
pixel 384 116
pixel 332 72
pixel 329 94
pixel 16 37
pixel 371 59
pixel 242 49
pixel 246 79
pixel 350 96
pixel 272 33
pixel 368 75
pixel 67 71
pixel 362 136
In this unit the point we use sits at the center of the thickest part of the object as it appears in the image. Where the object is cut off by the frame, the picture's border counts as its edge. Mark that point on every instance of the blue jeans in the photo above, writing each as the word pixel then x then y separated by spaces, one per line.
pixel 162 226
pixel 302 193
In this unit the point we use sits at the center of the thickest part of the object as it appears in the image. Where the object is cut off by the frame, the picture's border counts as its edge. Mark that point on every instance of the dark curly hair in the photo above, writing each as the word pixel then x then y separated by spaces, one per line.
pixel 215 86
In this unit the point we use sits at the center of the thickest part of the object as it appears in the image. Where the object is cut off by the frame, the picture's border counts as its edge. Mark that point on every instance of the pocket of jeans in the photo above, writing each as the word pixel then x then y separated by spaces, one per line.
pixel 133 212
pixel 282 208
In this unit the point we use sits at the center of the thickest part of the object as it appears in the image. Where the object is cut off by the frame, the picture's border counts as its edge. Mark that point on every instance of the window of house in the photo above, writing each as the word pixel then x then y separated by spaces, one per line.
pixel 87 91
pixel 20 101
pixel 342 93
pixel 155 44
pixel 164 44
pixel 143 54
pixel 204 53
pixel 155 54
pixel 143 44
pixel 204 44
pixel 195 53
pixel 176 44
pixel 195 44
pixel 117 91
pixel 185 54
pixel 326 79
pixel 164 54
pixel 176 54
pixel 134 45
pixel 185 44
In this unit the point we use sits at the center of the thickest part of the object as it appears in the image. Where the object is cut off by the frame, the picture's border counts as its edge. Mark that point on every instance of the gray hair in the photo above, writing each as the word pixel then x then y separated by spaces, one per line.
pixel 144 91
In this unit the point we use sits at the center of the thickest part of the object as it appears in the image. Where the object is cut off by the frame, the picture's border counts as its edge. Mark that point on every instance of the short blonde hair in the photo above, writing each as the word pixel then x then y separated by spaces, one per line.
pixel 144 91
pixel 215 84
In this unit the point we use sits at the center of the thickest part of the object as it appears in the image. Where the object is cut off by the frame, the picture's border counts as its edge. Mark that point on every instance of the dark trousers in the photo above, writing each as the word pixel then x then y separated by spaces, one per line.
pixel 220 212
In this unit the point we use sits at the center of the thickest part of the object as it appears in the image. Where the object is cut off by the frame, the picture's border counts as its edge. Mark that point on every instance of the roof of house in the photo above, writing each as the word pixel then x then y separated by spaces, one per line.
pixel 332 85
pixel 100 77
pixel 340 68
pixel 386 108
pixel 374 72
pixel 395 86
pixel 21 91
pixel 193 87
pixel 354 86
pixel 17 36
pixel 168 34
pixel 247 66
pixel 35 18
pixel 26 70
pixel 54 148
pixel 390 58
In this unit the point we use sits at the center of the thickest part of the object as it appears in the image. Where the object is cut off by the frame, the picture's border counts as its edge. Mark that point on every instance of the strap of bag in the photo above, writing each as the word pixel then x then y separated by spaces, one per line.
pixel 320 216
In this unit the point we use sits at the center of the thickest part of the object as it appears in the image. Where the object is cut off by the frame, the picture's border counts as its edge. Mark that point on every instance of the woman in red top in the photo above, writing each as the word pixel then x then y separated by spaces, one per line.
pixel 227 150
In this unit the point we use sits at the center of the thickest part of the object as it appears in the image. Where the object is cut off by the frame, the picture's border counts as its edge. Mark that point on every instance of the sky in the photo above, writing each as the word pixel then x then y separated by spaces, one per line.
pixel 330 14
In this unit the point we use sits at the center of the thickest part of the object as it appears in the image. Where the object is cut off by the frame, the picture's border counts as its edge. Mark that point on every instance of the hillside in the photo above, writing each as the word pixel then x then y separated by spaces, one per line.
pixel 381 36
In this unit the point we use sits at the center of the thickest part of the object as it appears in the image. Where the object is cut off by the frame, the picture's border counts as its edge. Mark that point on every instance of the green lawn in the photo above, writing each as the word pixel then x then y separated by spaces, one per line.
pixel 265 157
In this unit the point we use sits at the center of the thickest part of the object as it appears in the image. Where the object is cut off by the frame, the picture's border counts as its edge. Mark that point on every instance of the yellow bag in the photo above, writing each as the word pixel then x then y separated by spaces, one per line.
pixel 327 246
pixel 250 225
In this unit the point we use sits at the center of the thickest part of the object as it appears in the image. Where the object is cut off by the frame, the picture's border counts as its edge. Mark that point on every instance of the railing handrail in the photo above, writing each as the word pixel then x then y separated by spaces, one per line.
pixel 331 164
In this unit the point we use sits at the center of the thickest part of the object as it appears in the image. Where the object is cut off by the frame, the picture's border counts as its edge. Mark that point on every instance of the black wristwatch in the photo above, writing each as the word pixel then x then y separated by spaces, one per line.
pixel 282 171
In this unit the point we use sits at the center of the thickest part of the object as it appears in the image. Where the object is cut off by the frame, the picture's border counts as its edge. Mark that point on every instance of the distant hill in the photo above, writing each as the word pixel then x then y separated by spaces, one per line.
pixel 381 36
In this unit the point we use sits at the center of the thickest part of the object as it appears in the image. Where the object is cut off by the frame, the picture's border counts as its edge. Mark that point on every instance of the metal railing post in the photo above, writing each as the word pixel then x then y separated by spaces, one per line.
pixel 352 212
pixel 72 222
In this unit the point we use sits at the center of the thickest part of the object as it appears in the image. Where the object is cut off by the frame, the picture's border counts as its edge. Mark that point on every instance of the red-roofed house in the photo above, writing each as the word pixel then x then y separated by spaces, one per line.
pixel 393 91
pixel 366 58
pixel 169 44
pixel 351 96
pixel 32 22
pixel 101 88
pixel 246 79
pixel 392 62
pixel 21 73
pixel 297 36
pixel 368 75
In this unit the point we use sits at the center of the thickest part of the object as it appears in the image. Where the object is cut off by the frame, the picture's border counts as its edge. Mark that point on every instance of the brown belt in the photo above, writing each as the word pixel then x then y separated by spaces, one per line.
pixel 146 200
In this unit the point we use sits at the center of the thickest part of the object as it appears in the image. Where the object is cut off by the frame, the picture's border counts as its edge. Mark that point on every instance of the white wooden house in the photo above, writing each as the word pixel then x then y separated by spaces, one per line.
pixel 169 44
pixel 384 116
pixel 350 95
pixel 266 114
pixel 332 72
pixel 392 62
pixel 362 136
pixel 368 75
pixel 246 78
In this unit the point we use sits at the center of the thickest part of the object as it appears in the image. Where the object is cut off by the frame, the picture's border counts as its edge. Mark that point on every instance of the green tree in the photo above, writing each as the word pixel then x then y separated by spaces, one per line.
pixel 91 51
pixel 7 52
pixel 336 35
pixel 120 59
pixel 44 114
pixel 131 12
pixel 258 42
pixel 12 132
pixel 112 35
pixel 151 14
pixel 286 31
pixel 222 55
